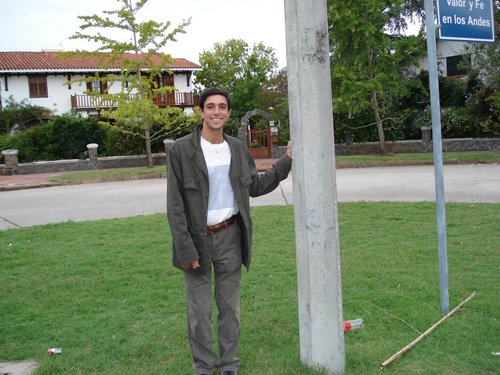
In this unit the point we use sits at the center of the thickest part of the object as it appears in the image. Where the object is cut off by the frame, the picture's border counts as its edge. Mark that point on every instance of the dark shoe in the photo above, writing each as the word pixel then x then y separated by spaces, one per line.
pixel 229 373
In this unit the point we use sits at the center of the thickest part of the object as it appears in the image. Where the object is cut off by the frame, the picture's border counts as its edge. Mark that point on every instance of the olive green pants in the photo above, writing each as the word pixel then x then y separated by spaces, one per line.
pixel 222 252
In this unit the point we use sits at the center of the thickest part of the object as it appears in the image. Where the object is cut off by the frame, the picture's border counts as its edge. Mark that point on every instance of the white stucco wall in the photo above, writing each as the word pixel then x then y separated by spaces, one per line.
pixel 59 94
pixel 445 48
pixel 181 82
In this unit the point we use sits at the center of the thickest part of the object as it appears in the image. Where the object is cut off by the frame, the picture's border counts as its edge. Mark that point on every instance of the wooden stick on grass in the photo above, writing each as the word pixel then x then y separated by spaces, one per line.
pixel 425 334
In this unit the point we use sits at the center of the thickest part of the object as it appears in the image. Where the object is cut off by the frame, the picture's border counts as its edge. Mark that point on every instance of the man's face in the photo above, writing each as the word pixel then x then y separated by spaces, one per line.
pixel 215 112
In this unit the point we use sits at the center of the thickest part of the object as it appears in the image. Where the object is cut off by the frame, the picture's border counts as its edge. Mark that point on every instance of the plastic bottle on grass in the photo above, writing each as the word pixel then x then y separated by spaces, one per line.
pixel 53 351
pixel 350 325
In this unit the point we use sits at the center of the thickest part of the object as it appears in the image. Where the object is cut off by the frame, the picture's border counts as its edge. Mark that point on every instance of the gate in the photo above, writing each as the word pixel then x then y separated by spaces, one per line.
pixel 259 142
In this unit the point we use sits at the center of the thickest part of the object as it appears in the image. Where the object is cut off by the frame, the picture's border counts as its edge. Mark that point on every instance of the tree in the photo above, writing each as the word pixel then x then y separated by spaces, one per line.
pixel 141 66
pixel 367 53
pixel 238 69
pixel 273 97
pixel 19 116
pixel 484 80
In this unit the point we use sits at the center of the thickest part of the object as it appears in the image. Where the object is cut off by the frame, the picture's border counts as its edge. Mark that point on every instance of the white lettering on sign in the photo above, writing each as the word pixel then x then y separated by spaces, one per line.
pixel 456 3
pixel 475 4
pixel 470 20
pixel 478 22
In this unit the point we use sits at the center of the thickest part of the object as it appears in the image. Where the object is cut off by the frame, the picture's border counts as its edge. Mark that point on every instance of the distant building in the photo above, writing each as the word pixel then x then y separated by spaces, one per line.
pixel 450 54
pixel 39 78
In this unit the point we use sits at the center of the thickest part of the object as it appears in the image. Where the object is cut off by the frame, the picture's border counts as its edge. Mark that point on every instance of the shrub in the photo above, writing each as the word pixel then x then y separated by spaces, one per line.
pixel 29 143
pixel 67 136
pixel 64 137
pixel 457 122
pixel 71 134
pixel 123 141
pixel 22 115
pixel 452 91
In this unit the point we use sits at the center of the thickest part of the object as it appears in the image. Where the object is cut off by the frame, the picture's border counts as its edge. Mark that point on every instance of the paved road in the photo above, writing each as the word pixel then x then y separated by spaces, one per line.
pixel 463 183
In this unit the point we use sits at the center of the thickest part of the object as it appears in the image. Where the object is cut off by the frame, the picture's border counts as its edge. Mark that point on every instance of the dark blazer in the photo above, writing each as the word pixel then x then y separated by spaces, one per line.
pixel 187 193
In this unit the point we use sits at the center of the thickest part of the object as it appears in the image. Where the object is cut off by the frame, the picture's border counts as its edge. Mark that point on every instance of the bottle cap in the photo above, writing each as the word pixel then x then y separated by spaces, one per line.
pixel 347 325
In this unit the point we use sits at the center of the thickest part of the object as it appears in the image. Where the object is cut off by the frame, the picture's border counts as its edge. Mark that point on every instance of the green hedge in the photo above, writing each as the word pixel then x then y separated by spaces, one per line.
pixel 63 137
pixel 67 136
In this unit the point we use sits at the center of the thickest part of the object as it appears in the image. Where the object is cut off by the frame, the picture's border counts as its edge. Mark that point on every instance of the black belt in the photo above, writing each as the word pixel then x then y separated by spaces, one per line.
pixel 217 227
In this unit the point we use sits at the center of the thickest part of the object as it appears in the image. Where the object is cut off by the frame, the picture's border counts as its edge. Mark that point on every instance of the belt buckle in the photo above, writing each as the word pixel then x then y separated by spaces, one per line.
pixel 217 227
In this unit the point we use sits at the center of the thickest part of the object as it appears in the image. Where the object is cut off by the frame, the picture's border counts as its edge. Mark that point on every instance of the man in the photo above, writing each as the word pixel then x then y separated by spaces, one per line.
pixel 210 178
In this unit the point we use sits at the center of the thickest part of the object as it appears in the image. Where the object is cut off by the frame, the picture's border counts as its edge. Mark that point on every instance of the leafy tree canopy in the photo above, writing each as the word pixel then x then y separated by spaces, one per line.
pixel 18 116
pixel 368 56
pixel 484 80
pixel 240 70
pixel 141 68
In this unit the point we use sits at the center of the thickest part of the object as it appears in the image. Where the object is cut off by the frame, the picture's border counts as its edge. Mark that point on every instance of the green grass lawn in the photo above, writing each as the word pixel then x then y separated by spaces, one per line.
pixel 118 172
pixel 447 156
pixel 105 291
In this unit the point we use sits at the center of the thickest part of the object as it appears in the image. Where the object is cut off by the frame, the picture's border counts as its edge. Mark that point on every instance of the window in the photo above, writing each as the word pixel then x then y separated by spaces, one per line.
pixel 165 80
pixel 38 86
pixel 455 65
pixel 97 86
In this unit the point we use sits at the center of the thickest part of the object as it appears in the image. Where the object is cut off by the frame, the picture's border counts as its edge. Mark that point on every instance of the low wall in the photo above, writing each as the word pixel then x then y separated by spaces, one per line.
pixel 108 162
pixel 399 147
pixel 418 146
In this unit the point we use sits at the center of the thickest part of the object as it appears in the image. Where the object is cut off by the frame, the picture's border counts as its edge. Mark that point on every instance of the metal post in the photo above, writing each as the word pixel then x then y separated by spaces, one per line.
pixel 314 186
pixel 438 154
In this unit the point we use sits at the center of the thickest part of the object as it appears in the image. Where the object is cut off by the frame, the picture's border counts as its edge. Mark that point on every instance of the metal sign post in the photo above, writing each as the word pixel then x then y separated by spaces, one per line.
pixel 438 154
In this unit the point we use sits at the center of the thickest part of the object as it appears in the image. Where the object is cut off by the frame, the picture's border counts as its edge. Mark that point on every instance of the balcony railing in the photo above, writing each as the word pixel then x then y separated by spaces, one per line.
pixel 173 99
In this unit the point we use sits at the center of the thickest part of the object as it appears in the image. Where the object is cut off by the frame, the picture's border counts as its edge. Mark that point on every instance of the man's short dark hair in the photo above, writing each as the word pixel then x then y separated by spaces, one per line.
pixel 211 92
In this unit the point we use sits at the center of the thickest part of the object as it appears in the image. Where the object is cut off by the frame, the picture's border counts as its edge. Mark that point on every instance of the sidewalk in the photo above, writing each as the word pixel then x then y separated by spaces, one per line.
pixel 27 181
pixel 40 180
pixel 18 367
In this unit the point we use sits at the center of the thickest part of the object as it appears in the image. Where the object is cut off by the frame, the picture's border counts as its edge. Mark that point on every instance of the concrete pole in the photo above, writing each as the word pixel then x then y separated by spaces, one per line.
pixel 314 187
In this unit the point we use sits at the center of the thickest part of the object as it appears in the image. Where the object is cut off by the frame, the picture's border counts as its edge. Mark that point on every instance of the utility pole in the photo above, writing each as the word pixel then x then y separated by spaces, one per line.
pixel 314 186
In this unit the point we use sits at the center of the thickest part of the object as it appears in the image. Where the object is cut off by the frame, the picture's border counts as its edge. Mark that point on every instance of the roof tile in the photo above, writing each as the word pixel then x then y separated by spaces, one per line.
pixel 55 60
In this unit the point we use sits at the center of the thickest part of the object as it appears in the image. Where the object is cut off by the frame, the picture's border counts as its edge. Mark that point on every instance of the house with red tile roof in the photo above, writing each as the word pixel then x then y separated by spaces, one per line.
pixel 41 79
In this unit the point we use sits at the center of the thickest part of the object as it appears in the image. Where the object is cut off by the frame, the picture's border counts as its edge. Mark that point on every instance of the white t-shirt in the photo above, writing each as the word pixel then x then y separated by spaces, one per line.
pixel 221 202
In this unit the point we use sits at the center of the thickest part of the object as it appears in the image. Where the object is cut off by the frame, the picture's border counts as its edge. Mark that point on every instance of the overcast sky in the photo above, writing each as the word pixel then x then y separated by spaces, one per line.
pixel 35 25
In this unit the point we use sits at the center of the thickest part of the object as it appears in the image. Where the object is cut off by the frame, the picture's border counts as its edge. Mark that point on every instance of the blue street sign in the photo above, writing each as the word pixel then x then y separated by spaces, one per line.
pixel 466 20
